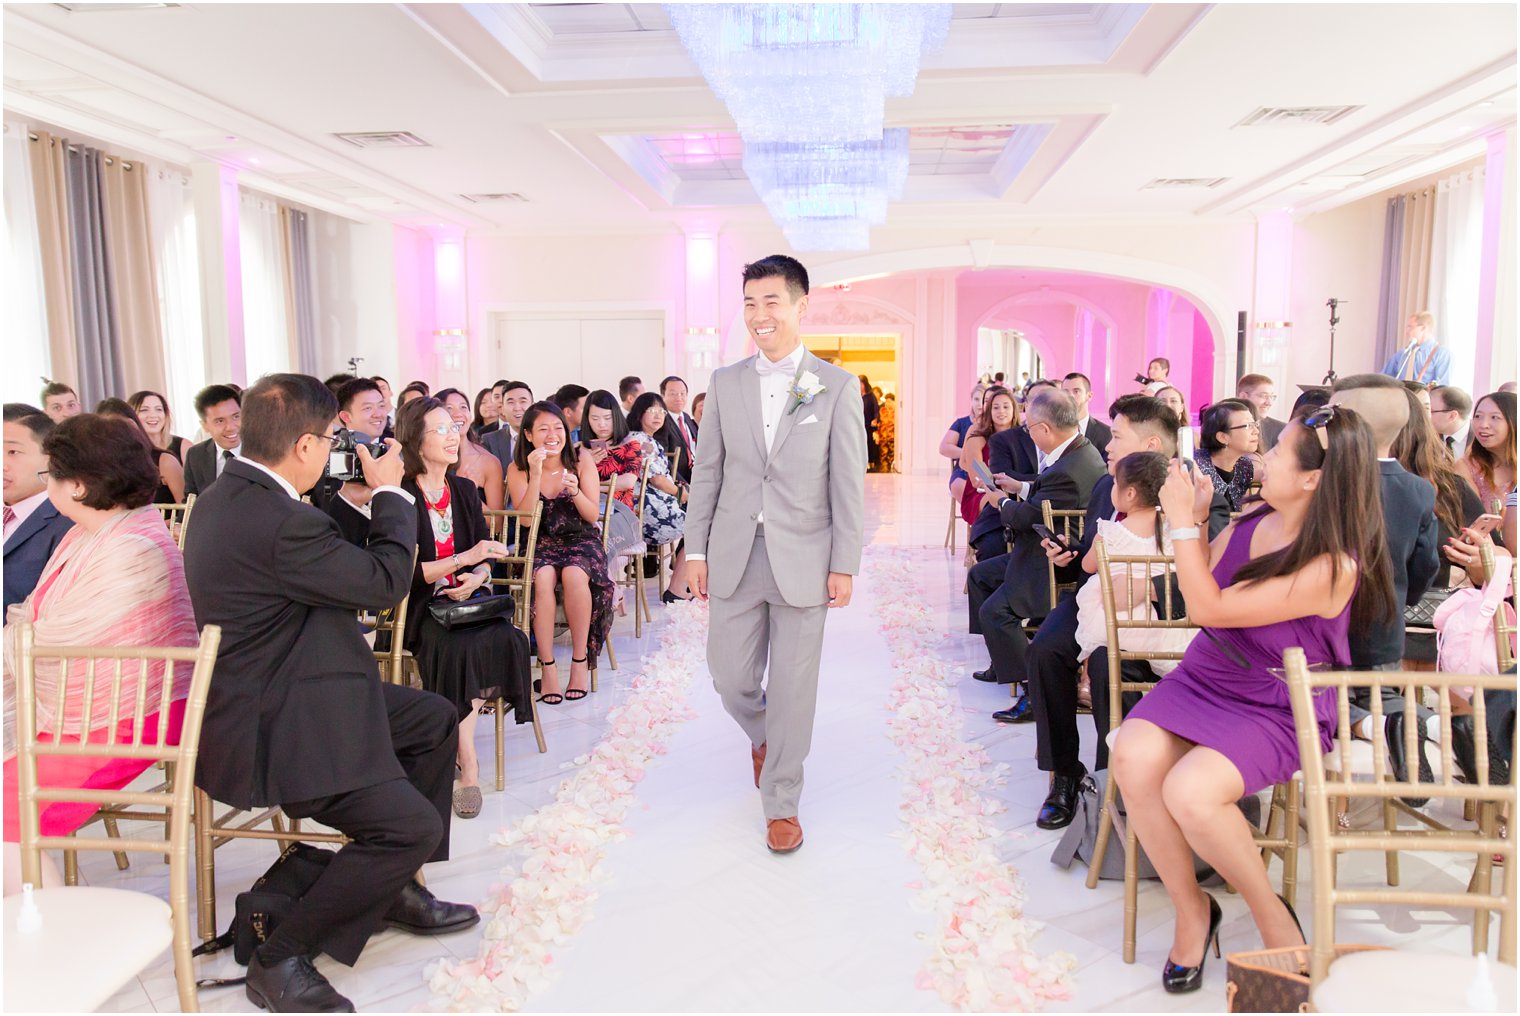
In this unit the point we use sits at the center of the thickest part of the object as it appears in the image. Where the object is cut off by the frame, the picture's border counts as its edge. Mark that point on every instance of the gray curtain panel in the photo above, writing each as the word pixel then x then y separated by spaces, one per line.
pixel 302 299
pixel 96 330
pixel 1390 328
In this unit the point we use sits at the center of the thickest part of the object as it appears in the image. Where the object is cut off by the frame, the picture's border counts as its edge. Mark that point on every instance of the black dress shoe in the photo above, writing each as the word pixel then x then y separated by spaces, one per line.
pixel 1060 805
pixel 989 675
pixel 1020 712
pixel 418 911
pixel 1393 727
pixel 292 985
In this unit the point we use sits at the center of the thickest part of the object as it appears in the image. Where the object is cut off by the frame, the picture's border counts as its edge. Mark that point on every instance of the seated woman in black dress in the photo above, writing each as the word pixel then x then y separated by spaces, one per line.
pixel 467 666
pixel 545 465
pixel 171 475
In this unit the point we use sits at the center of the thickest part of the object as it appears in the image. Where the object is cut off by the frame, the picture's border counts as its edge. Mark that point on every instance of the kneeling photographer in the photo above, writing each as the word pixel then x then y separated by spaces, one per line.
pixel 342 492
pixel 297 715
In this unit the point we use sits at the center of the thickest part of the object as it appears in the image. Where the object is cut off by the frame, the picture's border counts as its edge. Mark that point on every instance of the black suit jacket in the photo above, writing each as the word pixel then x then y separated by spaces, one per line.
pixel 200 467
pixel 1012 453
pixel 295 710
pixel 1099 434
pixel 28 549
pixel 1409 506
pixel 1067 484
pixel 683 468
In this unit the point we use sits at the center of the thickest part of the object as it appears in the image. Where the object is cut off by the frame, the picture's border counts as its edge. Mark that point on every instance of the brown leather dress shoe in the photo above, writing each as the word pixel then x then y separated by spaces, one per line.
pixel 757 755
pixel 783 835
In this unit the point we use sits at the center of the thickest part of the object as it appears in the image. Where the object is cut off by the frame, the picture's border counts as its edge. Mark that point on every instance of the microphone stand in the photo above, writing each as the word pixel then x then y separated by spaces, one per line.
pixel 1330 376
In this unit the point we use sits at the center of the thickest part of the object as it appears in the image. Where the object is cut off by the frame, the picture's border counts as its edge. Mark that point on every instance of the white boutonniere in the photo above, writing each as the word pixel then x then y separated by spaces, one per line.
pixel 806 386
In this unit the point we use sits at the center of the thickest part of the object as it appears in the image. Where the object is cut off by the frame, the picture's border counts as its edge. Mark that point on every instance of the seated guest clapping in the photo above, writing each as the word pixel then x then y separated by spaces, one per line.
pixel 171 475
pixel 1007 588
pixel 469 665
pixel 548 469
pixel 665 498
pixel 116 579
pixel 297 715
pixel 33 526
pixel 1299 571
pixel 1230 434
pixel 475 463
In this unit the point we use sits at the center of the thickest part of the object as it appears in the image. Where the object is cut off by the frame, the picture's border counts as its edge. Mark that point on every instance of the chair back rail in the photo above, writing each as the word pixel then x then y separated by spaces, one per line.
pixel 123 705
pixel 1062 521
pixel 177 518
pixel 1324 786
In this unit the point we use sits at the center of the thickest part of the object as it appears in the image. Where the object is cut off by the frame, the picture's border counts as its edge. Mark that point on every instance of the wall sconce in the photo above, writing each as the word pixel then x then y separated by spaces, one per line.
pixel 1271 340
pixel 449 345
pixel 701 348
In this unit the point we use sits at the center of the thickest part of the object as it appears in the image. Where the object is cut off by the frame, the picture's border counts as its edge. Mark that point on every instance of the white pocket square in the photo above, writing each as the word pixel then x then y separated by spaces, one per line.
pixel 810 419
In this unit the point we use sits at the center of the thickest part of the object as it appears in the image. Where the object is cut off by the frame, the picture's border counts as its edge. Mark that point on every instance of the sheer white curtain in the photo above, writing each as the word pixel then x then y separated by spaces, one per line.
pixel 171 213
pixel 1454 267
pixel 266 323
pixel 25 314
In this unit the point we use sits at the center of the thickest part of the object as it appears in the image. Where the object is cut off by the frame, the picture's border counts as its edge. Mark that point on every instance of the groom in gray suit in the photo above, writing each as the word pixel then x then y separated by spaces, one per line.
pixel 773 530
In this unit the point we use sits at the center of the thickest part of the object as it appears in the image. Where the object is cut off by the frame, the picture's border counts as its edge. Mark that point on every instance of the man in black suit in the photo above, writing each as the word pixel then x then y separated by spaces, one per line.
pixel 1011 455
pixel 1079 387
pixel 1409 504
pixel 33 526
pixel 1006 589
pixel 298 716
pixel 1141 424
pixel 673 391
pixel 220 408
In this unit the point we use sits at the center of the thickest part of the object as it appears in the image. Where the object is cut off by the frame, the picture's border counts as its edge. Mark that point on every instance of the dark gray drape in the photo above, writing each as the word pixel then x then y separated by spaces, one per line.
pixel 96 329
pixel 302 303
pixel 1390 326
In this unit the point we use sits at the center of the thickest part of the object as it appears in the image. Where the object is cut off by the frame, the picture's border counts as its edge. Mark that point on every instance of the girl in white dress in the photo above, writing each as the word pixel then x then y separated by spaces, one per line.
pixel 1137 487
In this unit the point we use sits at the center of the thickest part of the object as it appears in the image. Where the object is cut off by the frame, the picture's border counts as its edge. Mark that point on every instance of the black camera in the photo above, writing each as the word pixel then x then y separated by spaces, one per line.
pixel 343 460
pixel 1141 379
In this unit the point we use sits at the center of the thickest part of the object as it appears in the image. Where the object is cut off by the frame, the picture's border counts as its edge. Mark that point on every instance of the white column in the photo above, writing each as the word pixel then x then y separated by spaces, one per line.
pixel 1271 328
pixel 214 190
pixel 1494 359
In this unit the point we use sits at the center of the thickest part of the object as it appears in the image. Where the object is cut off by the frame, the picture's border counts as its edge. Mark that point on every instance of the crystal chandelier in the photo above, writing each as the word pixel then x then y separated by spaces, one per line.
pixel 807 86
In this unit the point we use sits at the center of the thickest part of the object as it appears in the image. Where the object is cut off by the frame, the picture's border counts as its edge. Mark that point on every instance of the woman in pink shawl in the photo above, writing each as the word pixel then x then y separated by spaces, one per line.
pixel 117 579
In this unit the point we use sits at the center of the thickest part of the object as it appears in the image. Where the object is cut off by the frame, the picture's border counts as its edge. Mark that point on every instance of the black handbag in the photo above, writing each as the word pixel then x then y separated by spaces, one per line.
pixel 477 610
pixel 266 903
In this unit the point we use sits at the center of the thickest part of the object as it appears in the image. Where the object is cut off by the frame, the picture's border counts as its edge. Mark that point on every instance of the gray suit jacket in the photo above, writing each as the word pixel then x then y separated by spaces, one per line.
pixel 499 443
pixel 811 486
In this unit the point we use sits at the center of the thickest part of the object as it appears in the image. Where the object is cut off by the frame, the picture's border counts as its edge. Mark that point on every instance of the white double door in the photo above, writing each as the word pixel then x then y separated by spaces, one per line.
pixel 549 349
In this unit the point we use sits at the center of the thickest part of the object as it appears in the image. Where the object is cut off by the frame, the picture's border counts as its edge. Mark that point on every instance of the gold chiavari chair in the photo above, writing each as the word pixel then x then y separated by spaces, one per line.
pixel 665 553
pixel 1156 575
pixel 117 929
pixel 955 516
pixel 518 529
pixel 177 518
pixel 634 579
pixel 397 665
pixel 606 523
pixel 1324 784
pixel 1071 526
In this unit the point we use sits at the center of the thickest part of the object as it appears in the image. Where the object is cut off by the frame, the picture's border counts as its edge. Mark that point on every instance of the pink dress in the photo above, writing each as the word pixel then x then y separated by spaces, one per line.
pixel 121 586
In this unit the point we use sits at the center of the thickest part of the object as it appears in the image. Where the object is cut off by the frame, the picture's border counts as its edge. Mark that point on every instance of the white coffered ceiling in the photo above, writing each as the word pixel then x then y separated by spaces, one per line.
pixel 592 115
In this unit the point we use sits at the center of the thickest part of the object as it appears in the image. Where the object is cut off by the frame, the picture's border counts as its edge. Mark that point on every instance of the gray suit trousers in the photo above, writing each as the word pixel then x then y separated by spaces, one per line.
pixel 752 626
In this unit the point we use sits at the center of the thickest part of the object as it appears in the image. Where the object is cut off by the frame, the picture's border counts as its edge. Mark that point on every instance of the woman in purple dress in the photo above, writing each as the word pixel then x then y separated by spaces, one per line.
pixel 1220 726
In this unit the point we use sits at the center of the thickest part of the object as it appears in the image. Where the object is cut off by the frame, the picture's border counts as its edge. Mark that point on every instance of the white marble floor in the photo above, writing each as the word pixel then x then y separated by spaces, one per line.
pixel 697 916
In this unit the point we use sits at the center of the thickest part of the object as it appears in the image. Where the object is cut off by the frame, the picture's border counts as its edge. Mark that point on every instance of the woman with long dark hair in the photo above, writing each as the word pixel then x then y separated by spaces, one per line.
pixel 1419 450
pixel 547 468
pixel 487 410
pixel 604 434
pixel 171 475
pixel 1220 726
pixel 1490 459
pixel 467 666
pixel 664 498
pixel 999 413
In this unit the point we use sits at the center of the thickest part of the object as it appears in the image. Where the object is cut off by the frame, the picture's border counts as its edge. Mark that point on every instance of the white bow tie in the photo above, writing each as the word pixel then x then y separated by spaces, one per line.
pixel 765 368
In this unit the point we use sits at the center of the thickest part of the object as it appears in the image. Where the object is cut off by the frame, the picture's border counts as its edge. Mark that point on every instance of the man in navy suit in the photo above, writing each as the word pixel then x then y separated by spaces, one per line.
pixel 33 526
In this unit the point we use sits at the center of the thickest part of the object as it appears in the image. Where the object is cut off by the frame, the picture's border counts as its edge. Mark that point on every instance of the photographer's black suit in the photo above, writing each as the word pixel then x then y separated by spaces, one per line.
pixel 297 715
pixel 1009 587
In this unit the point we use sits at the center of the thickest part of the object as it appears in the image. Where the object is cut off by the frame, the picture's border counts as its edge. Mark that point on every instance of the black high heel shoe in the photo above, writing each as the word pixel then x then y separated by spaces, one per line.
pixel 1176 979
pixel 552 698
pixel 1293 914
pixel 575 694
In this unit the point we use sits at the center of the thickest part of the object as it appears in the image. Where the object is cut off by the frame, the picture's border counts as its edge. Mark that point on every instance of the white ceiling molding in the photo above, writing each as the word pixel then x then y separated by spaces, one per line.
pixel 98 66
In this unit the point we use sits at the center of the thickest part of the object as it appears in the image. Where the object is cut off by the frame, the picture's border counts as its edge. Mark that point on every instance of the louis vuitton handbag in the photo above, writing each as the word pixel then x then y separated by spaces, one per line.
pixel 1273 980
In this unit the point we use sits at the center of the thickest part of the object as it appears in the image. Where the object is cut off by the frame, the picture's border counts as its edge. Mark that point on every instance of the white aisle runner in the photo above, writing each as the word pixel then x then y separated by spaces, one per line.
pixel 698 915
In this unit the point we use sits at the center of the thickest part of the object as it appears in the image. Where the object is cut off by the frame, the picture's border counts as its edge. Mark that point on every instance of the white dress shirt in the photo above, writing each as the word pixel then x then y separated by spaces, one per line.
pixel 23 510
pixel 221 457
pixel 1045 461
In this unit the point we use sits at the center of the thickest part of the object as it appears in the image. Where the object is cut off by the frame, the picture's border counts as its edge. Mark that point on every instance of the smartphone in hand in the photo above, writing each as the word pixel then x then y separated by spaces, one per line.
pixel 1043 531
